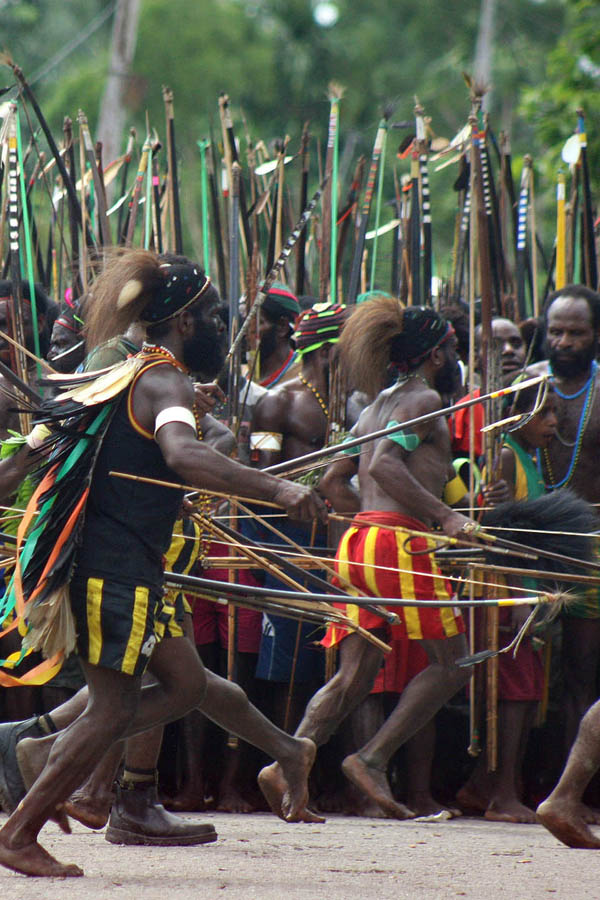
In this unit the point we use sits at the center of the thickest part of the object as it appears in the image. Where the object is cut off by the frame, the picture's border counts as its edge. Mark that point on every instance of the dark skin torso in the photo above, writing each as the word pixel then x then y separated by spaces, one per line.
pixel 195 461
pixel 428 464
pixel 392 479
pixel 293 411
pixel 585 481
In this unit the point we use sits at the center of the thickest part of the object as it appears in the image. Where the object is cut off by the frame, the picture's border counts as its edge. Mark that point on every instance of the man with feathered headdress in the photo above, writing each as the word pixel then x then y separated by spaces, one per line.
pixel 98 578
pixel 402 479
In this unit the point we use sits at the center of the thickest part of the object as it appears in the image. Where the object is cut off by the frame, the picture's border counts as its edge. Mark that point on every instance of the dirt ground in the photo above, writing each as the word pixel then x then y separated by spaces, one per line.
pixel 257 856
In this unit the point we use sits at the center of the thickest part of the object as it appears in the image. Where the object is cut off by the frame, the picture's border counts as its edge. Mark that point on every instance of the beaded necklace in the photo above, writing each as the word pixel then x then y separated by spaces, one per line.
pixel 590 387
pixel 404 379
pixel 159 350
pixel 316 394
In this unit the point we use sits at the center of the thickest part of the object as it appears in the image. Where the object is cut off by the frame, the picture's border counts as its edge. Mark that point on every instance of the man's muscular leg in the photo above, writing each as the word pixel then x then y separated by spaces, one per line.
pixel 180 680
pixel 115 705
pixel 224 702
pixel 418 703
pixel 563 813
pixel 359 663
pixel 113 700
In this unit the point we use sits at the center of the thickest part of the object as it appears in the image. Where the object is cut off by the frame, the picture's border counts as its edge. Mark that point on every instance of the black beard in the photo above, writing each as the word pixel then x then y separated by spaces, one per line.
pixel 576 365
pixel 204 352
pixel 447 379
pixel 268 343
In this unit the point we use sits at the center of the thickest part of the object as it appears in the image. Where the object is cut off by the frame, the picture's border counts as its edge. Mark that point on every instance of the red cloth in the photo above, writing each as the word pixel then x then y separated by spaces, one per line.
pixel 459 427
pixel 400 666
pixel 521 678
pixel 210 618
pixel 376 561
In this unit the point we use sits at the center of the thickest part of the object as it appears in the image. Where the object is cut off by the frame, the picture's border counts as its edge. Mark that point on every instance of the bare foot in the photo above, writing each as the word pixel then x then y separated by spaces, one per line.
pixel 471 801
pixel 34 860
pixel 273 785
pixel 564 821
pixel 61 818
pixel 230 801
pixel 373 782
pixel 509 811
pixel 295 772
pixel 285 785
pixel 93 812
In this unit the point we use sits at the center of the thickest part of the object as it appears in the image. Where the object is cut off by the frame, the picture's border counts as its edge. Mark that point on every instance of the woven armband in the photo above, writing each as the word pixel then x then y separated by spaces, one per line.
pixel 454 491
pixel 266 440
pixel 407 440
pixel 174 414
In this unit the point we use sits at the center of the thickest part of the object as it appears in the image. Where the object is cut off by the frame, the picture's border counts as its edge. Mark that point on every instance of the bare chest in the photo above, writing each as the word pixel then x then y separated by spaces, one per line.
pixel 572 457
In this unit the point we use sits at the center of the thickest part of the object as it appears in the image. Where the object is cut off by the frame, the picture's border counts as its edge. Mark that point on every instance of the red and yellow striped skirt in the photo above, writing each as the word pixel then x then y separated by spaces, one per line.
pixel 372 557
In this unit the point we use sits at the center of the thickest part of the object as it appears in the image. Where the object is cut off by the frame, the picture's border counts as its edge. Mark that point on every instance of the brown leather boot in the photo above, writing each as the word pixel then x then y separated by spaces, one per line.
pixel 137 817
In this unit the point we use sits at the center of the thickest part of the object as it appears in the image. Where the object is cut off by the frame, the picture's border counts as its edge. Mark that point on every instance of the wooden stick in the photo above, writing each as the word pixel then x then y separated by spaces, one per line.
pixel 189 487
pixel 474 748
pixel 23 349
pixel 232 739
pixel 492 688
pixel 283 608
pixel 343 582
pixel 262 562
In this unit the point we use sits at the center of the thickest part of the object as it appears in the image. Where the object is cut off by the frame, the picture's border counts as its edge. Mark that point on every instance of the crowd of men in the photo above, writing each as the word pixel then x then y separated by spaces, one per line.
pixel 139 657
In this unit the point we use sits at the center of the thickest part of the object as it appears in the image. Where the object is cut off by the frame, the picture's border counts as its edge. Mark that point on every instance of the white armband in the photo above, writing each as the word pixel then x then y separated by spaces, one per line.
pixel 174 414
pixel 37 436
pixel 266 440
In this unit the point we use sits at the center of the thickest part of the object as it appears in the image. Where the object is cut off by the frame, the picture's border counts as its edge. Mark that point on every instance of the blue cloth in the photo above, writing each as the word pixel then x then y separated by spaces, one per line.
pixel 279 634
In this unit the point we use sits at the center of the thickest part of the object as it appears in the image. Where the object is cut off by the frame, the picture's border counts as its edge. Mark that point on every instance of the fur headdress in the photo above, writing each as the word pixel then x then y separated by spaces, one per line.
pixel 137 285
pixel 382 332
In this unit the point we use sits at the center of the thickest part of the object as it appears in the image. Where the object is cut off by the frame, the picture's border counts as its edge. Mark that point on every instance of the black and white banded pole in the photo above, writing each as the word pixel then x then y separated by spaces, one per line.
pixel 272 275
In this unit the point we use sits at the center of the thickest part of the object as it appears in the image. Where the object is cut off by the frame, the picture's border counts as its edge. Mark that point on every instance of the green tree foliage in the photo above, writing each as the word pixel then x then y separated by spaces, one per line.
pixel 276 62
pixel 571 80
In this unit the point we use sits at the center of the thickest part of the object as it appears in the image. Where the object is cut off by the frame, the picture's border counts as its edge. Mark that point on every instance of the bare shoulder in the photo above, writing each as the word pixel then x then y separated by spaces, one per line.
pixel 413 403
pixel 166 382
pixel 272 407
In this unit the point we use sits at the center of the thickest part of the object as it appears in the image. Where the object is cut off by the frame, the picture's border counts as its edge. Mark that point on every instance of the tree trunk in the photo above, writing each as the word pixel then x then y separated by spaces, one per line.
pixel 484 49
pixel 112 123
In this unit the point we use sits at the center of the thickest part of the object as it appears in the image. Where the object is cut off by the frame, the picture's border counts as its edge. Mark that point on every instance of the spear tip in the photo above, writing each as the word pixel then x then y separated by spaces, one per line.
pixel 7 60
pixel 388 109
pixel 335 91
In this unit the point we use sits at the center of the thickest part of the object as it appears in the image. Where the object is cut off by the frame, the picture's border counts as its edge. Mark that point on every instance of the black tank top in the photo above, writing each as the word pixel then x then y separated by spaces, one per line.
pixel 128 524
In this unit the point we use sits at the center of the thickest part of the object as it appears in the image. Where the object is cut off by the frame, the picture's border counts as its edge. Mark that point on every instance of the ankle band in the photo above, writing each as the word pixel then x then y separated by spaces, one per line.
pixel 47 725
pixel 132 775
